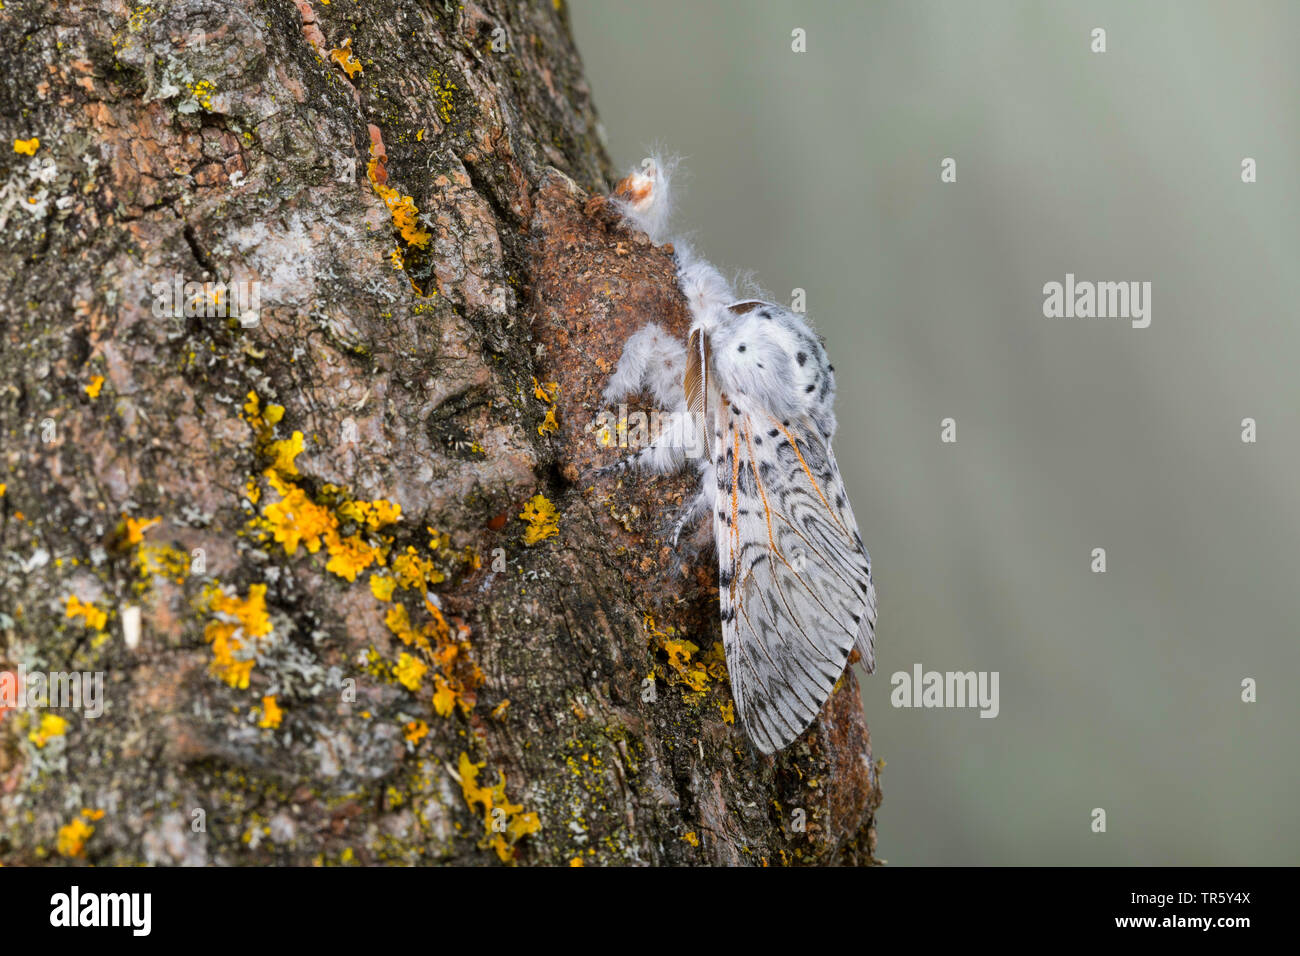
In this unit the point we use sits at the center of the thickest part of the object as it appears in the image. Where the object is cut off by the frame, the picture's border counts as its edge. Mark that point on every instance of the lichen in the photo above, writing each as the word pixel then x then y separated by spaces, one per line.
pixel 504 823
pixel 541 518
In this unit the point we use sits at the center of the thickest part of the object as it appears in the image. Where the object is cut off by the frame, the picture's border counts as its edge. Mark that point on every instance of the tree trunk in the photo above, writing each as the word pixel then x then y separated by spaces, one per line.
pixel 433 302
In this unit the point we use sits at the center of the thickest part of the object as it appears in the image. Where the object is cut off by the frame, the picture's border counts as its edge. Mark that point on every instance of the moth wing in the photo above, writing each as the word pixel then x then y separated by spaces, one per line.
pixel 795 580
pixel 697 382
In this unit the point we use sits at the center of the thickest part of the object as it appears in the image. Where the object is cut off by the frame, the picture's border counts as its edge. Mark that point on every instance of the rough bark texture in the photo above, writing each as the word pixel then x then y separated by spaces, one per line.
pixel 222 140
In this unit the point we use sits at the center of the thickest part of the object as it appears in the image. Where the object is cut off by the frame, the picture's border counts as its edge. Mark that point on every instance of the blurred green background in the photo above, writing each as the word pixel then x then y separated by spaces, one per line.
pixel 820 170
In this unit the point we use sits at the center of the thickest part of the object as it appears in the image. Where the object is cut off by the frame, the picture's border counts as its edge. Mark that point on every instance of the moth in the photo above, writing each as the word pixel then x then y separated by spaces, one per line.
pixel 752 394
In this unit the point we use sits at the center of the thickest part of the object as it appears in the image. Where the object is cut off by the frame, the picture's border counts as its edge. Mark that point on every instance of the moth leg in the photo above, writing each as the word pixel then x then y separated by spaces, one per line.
pixel 651 358
pixel 690 512
pixel 678 442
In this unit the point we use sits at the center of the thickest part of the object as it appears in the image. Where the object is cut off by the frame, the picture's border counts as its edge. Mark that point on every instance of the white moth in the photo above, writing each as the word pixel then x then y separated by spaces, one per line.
pixel 753 390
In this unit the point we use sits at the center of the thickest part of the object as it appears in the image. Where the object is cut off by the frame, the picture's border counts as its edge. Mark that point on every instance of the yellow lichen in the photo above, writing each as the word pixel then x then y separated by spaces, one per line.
pixel 271 713
pixel 681 667
pixel 163 561
pixel 349 556
pixel 549 424
pixel 202 92
pixel 296 519
pixel 96 383
pixel 444 698
pixel 381 586
pixel 410 671
pixel 541 518
pixel 27 147
pixel 373 514
pixel 413 570
pixel 94 617
pixel 398 621
pixel 284 452
pixel 344 58
pixel 238 620
pixel 545 391
pixel 442 91
pixel 51 726
pixel 73 836
pixel 505 823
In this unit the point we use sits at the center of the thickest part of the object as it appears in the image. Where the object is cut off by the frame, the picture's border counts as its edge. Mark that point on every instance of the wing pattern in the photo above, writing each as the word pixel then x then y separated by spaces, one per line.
pixel 794 578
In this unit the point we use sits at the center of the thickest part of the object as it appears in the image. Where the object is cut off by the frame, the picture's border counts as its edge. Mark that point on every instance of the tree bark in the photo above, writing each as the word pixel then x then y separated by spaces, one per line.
pixel 240 141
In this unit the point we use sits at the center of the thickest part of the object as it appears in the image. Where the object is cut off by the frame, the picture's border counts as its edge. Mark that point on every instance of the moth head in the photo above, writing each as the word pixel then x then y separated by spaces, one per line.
pixel 644 195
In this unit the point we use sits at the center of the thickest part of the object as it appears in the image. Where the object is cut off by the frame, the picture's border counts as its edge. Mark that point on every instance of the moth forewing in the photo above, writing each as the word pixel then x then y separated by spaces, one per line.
pixel 795 588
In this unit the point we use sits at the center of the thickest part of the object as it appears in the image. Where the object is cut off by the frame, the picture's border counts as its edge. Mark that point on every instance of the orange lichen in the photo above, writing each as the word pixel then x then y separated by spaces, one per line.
pixel 96 383
pixel 135 528
pixel 401 208
pixel 27 147
pixel 416 730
